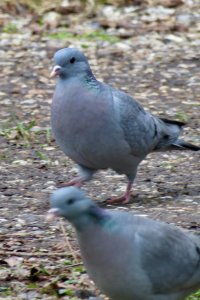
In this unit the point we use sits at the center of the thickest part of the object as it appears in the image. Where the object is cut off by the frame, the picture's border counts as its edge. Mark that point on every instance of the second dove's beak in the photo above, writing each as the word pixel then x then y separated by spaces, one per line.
pixel 52 214
pixel 55 71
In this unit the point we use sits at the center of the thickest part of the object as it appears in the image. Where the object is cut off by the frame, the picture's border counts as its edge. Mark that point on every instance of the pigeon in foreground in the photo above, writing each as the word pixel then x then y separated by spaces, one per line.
pixel 100 127
pixel 130 257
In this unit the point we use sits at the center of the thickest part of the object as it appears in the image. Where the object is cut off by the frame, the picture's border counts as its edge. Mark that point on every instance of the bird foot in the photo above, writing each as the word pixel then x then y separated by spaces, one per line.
pixel 74 182
pixel 124 199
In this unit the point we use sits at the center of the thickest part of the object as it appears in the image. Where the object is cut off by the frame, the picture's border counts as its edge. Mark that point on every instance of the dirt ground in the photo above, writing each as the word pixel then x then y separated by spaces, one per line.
pixel 160 68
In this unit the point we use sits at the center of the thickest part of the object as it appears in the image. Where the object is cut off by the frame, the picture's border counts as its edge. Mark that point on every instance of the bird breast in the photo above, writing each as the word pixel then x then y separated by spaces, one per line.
pixel 84 125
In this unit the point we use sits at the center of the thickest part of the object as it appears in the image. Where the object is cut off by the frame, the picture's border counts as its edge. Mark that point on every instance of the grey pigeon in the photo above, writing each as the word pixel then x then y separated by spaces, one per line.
pixel 100 127
pixel 130 257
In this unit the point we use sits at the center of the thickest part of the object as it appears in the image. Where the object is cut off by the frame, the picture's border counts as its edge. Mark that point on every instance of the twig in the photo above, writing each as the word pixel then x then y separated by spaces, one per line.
pixel 67 242
pixel 5 253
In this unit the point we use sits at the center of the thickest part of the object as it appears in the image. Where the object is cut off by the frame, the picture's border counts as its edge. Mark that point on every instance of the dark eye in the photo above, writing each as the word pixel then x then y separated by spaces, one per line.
pixel 72 60
pixel 70 201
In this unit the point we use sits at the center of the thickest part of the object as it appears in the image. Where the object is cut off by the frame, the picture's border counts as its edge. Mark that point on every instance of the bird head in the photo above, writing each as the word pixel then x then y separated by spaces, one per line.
pixel 69 62
pixel 70 203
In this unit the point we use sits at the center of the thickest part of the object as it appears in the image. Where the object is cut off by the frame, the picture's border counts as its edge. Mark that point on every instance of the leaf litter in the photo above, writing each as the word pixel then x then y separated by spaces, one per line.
pixel 150 50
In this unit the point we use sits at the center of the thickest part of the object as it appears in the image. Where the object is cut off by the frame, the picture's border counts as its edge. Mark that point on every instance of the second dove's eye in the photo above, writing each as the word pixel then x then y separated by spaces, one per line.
pixel 72 60
pixel 70 201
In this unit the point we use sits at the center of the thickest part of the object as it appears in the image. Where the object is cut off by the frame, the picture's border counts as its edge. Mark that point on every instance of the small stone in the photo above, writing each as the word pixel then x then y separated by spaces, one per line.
pixel 51 19
pixel 185 20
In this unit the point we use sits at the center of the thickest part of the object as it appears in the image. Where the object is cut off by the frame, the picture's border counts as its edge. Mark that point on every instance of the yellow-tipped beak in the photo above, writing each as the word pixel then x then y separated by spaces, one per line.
pixel 51 214
pixel 55 71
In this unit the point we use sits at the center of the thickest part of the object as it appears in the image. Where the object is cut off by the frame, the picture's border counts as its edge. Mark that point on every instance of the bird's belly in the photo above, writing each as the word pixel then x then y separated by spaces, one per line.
pixel 90 149
pixel 118 284
pixel 93 144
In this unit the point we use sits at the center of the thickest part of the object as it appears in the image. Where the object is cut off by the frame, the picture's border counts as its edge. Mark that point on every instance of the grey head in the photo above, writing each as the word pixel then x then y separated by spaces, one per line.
pixel 70 62
pixel 72 204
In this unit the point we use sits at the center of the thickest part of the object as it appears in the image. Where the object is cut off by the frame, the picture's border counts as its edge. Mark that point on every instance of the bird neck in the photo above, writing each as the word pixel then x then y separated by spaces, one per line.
pixel 95 217
pixel 85 78
pixel 90 80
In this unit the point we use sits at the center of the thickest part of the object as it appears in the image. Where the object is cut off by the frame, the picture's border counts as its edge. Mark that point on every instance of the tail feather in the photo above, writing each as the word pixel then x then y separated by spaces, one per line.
pixel 180 124
pixel 183 145
pixel 168 138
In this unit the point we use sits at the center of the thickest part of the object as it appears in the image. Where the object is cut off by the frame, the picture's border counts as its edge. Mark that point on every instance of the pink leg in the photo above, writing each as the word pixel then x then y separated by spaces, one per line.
pixel 124 199
pixel 85 174
pixel 78 181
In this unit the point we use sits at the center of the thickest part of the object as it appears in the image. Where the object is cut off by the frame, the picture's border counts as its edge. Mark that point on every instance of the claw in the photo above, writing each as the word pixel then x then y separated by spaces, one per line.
pixel 124 199
pixel 74 182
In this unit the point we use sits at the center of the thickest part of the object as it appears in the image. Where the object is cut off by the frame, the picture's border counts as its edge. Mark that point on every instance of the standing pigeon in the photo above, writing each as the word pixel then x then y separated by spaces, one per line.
pixel 100 127
pixel 130 257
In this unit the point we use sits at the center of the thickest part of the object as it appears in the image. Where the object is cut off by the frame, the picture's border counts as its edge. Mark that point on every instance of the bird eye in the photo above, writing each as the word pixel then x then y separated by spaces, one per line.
pixel 70 201
pixel 72 60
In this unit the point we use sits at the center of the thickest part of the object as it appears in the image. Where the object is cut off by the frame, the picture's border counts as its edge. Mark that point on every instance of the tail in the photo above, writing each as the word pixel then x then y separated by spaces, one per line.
pixel 169 139
pixel 180 124
pixel 182 145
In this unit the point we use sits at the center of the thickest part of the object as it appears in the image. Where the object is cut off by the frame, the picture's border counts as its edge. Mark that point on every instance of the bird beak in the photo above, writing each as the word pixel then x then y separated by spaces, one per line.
pixel 52 214
pixel 55 71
